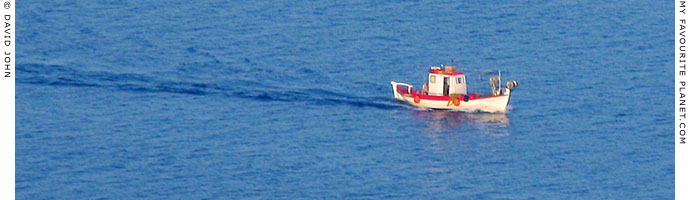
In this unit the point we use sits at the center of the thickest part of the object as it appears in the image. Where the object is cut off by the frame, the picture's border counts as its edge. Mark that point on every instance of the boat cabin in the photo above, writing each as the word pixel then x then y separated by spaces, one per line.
pixel 446 81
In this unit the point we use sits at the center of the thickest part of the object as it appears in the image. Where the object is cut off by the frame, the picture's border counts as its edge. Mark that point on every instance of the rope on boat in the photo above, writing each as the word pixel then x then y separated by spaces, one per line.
pixel 454 97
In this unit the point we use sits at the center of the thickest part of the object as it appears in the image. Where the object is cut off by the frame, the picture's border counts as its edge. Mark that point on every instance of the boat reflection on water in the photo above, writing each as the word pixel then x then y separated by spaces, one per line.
pixel 457 133
pixel 493 124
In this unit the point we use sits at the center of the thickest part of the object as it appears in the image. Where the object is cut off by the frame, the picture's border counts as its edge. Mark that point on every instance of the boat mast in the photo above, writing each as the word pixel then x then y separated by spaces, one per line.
pixel 499 81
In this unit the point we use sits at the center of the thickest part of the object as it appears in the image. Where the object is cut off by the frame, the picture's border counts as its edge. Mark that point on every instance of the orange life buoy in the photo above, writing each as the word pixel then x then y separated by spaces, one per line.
pixel 456 102
pixel 416 99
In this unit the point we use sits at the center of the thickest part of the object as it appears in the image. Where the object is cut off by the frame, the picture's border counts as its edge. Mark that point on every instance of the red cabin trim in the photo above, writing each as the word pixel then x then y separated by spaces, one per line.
pixel 436 71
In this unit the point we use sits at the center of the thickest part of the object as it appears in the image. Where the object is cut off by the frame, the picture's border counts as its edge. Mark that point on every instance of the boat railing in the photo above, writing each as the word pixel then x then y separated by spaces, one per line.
pixel 409 87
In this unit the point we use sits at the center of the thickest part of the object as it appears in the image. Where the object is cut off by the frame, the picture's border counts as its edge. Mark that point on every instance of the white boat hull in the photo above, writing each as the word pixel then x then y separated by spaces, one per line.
pixel 493 104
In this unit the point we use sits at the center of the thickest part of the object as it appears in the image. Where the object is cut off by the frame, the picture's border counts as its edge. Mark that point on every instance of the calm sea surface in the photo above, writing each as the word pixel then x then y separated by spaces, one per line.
pixel 291 100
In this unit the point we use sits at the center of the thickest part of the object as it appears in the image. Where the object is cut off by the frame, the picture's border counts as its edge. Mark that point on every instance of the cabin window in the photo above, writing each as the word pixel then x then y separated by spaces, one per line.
pixel 432 79
pixel 460 80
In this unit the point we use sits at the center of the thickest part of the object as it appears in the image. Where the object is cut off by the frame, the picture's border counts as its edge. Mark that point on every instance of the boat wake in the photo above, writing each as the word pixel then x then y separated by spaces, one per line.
pixel 62 75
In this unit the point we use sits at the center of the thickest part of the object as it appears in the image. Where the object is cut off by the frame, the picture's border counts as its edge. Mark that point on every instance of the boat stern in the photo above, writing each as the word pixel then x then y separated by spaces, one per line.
pixel 397 94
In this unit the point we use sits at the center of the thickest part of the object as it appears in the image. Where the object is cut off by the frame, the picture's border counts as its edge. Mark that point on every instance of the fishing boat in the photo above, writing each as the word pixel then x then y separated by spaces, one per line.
pixel 447 89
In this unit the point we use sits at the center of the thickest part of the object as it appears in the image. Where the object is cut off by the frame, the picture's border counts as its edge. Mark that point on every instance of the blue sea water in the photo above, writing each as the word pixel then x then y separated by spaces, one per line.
pixel 291 100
